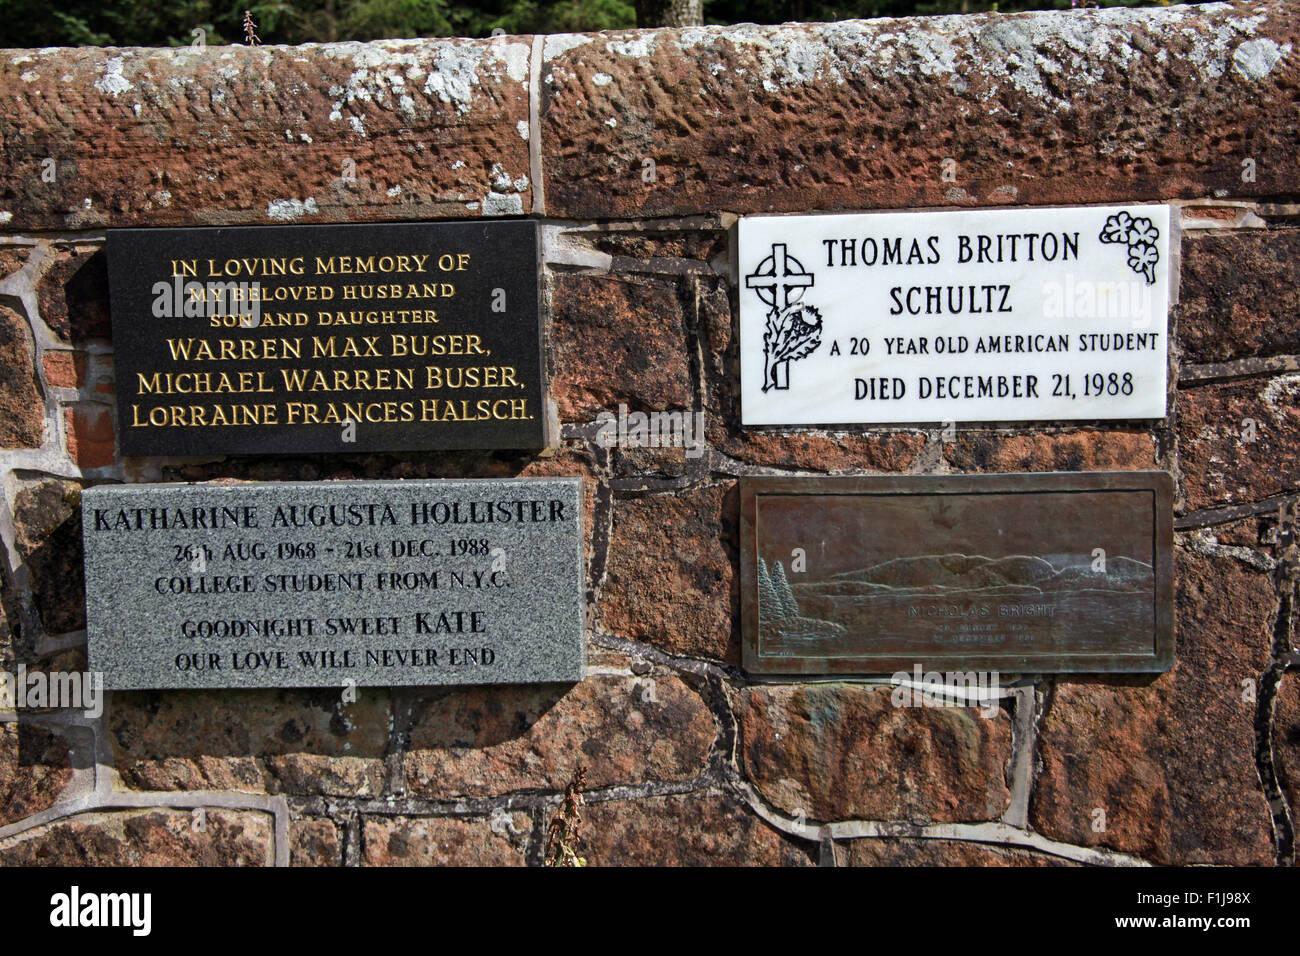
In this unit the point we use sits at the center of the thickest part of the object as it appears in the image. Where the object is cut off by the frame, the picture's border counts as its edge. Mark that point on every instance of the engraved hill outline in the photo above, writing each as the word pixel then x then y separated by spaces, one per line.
pixel 1016 570
pixel 834 614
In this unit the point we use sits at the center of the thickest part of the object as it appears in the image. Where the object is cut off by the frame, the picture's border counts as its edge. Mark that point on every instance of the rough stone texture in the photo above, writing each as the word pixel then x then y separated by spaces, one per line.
pixel 1086 450
pixel 637 468
pixel 618 339
pixel 1088 106
pixel 432 126
pixel 73 294
pixel 844 751
pixel 697 829
pixel 314 841
pixel 35 767
pixel 10 624
pixel 1239 295
pixel 1225 215
pixel 253 741
pixel 47 522
pixel 1255 533
pixel 485 741
pixel 147 838
pixel 12 259
pixel 672 578
pixel 1220 465
pixel 891 452
pixel 889 851
pixel 1172 761
pixel 662 243
pixel 89 432
pixel 22 413
pixel 1286 741
pixel 446 841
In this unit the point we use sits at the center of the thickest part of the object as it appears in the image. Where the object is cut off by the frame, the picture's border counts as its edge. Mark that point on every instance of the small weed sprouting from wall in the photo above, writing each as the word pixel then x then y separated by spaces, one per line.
pixel 250 30
pixel 563 834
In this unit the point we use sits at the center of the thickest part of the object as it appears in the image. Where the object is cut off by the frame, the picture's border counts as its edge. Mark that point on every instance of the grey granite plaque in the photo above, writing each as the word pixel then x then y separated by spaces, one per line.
pixel 314 584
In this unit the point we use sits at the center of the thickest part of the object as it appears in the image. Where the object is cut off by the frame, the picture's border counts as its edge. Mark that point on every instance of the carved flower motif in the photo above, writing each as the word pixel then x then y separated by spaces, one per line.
pixel 1117 228
pixel 1142 258
pixel 1140 236
pixel 1144 231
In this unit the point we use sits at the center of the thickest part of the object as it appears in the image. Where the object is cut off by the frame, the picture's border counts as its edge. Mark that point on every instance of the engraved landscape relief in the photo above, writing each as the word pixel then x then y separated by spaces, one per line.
pixel 841 594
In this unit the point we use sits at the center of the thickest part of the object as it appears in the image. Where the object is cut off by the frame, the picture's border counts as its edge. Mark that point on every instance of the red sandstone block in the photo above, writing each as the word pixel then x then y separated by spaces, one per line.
pixel 1086 106
pixel 398 129
pixel 90 435
pixel 22 412
pixel 619 340
pixel 1087 449
pixel 672 580
pixel 1239 295
pixel 703 828
pixel 65 369
pixel 155 836
pixel 1239 441
pixel 840 752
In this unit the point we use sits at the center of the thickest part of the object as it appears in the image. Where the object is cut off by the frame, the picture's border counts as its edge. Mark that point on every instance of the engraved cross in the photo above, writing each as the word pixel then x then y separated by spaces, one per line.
pixel 785 274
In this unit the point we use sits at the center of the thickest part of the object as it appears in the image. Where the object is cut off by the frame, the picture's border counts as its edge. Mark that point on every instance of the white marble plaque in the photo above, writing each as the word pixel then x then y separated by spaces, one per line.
pixel 966 316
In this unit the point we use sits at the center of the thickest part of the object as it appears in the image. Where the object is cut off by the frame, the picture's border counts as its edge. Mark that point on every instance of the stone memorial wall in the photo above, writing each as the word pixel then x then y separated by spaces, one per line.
pixel 646 160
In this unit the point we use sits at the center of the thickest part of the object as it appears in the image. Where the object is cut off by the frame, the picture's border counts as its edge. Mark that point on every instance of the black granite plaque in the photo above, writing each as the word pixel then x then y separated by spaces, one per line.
pixel 386 337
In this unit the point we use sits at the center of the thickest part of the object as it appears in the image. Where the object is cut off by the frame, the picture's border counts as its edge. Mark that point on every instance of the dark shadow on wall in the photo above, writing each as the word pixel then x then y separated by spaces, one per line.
pixel 292 741
pixel 369 465
pixel 36 764
pixel 73 295
pixel 47 518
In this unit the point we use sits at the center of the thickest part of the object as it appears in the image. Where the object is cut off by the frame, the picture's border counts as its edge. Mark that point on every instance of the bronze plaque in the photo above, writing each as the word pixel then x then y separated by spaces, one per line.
pixel 1012 573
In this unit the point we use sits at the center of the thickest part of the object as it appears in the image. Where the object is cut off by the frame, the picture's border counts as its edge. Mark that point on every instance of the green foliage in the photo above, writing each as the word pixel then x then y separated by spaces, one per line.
pixel 566 16
pixel 34 23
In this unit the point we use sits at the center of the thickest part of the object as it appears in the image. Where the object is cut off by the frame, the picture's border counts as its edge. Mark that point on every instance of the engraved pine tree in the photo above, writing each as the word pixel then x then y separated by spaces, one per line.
pixel 782 620
pixel 784 593
pixel 768 604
